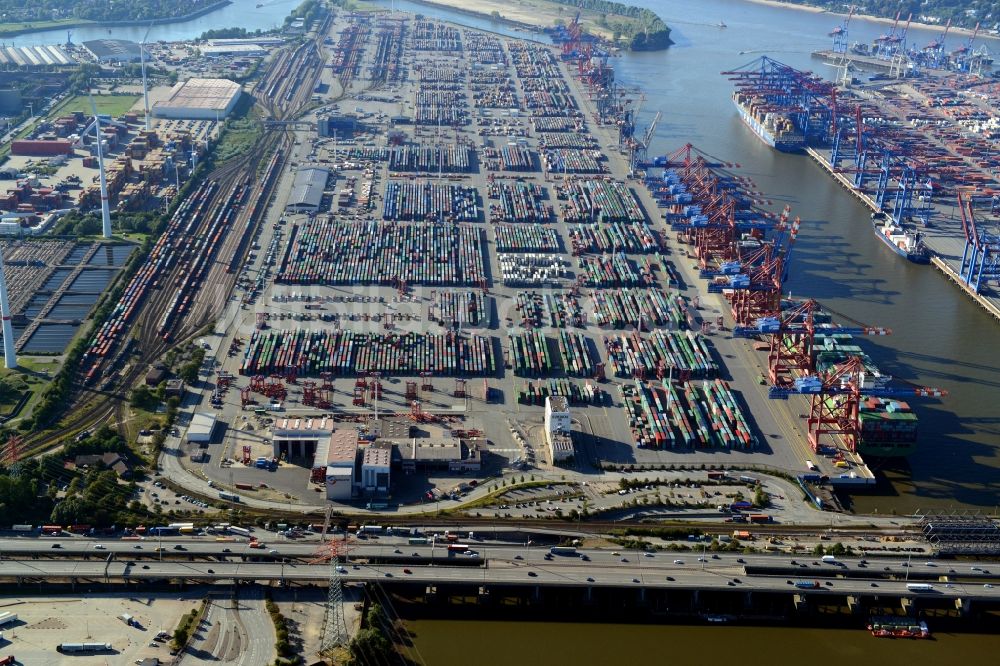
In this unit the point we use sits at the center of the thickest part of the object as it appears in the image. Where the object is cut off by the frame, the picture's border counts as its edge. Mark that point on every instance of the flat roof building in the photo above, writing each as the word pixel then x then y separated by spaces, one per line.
pixel 558 427
pixel 376 462
pixel 336 463
pixel 232 50
pixel 452 454
pixel 302 438
pixel 307 190
pixel 113 50
pixel 201 428
pixel 199 99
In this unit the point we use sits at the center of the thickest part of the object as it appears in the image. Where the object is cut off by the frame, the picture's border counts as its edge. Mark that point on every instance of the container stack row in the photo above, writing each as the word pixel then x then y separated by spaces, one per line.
pixel 309 353
pixel 686 353
pixel 326 252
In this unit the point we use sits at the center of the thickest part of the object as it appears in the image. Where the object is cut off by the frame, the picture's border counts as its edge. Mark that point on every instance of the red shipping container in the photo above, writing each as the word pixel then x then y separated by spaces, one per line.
pixel 41 148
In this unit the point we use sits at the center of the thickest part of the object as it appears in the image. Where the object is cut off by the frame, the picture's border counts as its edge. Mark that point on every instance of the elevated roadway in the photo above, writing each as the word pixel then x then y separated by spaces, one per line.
pixel 503 565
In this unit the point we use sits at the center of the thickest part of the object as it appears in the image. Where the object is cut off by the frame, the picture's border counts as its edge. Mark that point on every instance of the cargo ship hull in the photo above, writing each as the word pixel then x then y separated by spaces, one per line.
pixel 918 255
pixel 787 144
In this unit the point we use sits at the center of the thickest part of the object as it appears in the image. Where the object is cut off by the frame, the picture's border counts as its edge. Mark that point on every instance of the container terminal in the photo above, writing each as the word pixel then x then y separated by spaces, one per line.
pixel 464 243
pixel 916 150
pixel 450 248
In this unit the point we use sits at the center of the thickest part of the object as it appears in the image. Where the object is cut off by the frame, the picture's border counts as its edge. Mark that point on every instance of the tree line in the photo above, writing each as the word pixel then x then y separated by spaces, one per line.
pixel 99 10
pixel 647 33
pixel 962 13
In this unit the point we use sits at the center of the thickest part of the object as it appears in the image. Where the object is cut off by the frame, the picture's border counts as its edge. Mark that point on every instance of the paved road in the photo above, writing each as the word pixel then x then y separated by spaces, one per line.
pixel 388 548
pixel 604 569
pixel 234 631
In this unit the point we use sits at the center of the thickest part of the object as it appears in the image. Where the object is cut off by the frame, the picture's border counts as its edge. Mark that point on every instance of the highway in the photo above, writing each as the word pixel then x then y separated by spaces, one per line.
pixel 389 548
pixel 491 564
pixel 561 572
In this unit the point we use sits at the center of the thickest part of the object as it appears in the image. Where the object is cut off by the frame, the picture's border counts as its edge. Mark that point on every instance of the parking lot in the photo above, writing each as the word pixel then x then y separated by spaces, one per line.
pixel 92 616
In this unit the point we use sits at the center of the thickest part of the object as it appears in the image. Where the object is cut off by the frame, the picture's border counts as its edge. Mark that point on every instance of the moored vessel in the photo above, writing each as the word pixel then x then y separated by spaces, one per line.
pixel 902 241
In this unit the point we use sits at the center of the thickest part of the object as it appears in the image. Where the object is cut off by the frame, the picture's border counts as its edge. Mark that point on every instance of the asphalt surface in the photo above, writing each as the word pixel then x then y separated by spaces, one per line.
pixel 660 571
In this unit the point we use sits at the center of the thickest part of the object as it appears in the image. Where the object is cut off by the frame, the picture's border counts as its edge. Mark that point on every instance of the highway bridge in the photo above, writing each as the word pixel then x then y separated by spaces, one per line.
pixel 498 568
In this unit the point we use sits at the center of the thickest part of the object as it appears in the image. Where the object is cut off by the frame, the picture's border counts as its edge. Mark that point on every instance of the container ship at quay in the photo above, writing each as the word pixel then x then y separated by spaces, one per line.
pixel 888 426
pixel 904 242
pixel 774 129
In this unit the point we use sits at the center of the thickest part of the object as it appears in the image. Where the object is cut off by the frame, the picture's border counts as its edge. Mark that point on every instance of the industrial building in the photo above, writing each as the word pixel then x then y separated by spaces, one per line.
pixel 232 50
pixel 199 99
pixel 113 50
pixel 301 438
pixel 34 56
pixel 242 41
pixel 376 463
pixel 426 454
pixel 201 428
pixel 339 126
pixel 336 463
pixel 307 191
pixel 557 428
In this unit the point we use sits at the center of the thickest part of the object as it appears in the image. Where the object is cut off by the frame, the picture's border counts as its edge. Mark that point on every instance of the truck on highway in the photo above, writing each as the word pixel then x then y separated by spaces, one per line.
pixel 457 548
pixel 418 541
pixel 241 531
pixel 52 529
pixel 229 497
pixel 807 584
pixel 759 518
pixel 370 529
pixel 829 559
pixel 565 551
pixel 919 587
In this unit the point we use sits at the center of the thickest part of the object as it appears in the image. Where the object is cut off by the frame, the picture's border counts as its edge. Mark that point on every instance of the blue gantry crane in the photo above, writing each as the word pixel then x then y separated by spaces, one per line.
pixel 981 258
pixel 839 33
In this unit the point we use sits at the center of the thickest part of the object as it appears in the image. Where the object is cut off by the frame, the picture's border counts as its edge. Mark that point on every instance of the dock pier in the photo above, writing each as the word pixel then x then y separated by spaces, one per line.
pixel 947 269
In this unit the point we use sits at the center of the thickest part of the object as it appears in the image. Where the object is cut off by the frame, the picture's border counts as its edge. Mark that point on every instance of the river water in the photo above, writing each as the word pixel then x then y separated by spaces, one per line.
pixel 492 643
pixel 836 259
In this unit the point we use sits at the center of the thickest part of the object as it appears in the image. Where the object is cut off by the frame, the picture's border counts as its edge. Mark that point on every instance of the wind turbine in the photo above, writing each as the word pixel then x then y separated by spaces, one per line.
pixel 105 212
pixel 142 61
pixel 9 351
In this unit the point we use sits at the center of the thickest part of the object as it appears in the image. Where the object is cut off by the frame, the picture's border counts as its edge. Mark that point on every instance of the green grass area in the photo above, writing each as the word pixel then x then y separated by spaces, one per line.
pixel 240 134
pixel 32 375
pixel 30 26
pixel 113 105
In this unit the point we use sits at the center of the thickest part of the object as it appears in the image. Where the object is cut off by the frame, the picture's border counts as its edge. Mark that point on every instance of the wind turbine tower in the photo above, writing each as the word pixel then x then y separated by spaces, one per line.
pixel 9 353
pixel 142 61
pixel 105 211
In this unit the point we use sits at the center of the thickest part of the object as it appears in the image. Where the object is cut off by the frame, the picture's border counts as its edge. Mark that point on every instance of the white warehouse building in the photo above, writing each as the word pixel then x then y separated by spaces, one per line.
pixel 199 99
pixel 558 427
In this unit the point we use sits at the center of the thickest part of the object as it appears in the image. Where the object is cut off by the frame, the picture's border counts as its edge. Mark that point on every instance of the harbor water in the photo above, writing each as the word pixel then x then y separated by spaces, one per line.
pixel 836 260
pixel 493 643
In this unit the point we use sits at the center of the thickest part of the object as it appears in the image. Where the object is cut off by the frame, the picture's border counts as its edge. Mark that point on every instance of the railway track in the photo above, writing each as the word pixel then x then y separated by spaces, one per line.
pixel 94 402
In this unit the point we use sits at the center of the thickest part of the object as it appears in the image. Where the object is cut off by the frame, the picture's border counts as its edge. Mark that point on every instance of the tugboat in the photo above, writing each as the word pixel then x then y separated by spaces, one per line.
pixel 898 627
